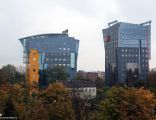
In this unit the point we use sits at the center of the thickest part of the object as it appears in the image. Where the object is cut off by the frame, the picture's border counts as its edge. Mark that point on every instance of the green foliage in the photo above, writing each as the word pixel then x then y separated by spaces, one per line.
pixel 9 74
pixel 152 79
pixel 101 94
pixel 20 77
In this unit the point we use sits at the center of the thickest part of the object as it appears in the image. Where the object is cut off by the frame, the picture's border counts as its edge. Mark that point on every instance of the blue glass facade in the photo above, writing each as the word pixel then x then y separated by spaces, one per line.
pixel 127 52
pixel 54 50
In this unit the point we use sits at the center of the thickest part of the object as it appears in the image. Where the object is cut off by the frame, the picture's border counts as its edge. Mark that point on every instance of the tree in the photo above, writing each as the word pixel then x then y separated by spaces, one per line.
pixel 56 73
pixel 20 77
pixel 57 100
pixel 99 83
pixel 2 78
pixel 3 97
pixel 19 94
pixel 124 103
pixel 9 72
pixel 152 79
pixel 36 110
pixel 9 109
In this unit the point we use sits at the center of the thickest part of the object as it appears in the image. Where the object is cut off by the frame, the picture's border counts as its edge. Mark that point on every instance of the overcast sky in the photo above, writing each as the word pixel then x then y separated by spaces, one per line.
pixel 85 20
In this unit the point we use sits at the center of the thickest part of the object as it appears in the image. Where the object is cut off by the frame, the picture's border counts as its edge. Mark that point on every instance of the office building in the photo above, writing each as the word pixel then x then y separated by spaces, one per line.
pixel 127 52
pixel 45 51
pixel 92 75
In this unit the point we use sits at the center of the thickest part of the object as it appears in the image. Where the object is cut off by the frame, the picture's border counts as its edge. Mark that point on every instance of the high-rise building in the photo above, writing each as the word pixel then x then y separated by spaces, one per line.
pixel 48 50
pixel 127 52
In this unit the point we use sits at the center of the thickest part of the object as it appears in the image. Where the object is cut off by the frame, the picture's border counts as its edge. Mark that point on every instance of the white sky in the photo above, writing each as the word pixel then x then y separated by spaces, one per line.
pixel 85 20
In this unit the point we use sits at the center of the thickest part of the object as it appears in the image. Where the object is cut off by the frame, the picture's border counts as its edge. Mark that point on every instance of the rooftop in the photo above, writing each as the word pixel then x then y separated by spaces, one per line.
pixel 79 83
pixel 45 36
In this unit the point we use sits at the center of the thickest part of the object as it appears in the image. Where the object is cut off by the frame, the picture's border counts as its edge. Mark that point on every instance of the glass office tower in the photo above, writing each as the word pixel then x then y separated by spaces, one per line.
pixel 53 50
pixel 127 52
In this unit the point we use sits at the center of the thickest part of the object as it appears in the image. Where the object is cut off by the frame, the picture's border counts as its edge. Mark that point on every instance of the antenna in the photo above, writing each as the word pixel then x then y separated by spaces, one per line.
pixel 65 31
pixel 113 22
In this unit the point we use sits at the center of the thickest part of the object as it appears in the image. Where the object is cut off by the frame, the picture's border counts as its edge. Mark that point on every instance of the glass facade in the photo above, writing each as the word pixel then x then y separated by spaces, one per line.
pixel 127 52
pixel 72 63
pixel 54 50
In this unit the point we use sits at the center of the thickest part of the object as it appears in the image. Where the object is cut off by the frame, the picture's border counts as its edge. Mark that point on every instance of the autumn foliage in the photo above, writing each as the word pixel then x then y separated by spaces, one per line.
pixel 124 103
pixel 57 100
pixel 54 103
pixel 57 103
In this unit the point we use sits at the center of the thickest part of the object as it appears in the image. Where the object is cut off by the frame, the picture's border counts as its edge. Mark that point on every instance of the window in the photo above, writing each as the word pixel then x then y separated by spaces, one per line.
pixel 47 59
pixel 68 65
pixel 24 42
pixel 90 90
pixel 34 59
pixel 64 43
pixel 64 59
pixel 34 76
pixel 86 90
pixel 93 90
pixel 55 59
pixel 60 59
pixel 122 75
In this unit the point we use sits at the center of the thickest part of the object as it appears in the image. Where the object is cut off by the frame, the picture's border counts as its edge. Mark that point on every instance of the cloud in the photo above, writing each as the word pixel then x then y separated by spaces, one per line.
pixel 84 18
pixel 139 11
